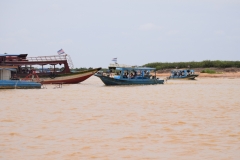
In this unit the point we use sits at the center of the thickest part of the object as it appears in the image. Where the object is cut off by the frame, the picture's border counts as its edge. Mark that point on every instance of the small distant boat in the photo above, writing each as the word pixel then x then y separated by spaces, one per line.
pixel 182 74
pixel 127 75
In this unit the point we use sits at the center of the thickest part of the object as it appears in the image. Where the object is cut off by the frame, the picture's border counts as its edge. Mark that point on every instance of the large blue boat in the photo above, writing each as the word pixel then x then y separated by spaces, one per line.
pixel 7 81
pixel 183 74
pixel 17 84
pixel 129 76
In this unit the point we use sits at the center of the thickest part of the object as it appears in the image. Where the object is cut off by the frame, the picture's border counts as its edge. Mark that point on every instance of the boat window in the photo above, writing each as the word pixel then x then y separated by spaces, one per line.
pixel 125 74
pixel 118 72
pixel 138 72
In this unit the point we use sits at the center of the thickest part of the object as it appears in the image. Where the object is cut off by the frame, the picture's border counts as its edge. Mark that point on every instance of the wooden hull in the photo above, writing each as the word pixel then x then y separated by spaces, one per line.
pixel 111 81
pixel 70 78
pixel 16 84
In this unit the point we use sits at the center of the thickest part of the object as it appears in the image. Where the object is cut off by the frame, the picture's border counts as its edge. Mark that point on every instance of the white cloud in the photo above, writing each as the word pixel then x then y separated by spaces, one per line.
pixel 51 43
pixel 172 32
pixel 219 32
pixel 19 33
pixel 149 26
pixel 16 37
pixel 7 42
pixel 66 42
pixel 62 43
pixel 56 7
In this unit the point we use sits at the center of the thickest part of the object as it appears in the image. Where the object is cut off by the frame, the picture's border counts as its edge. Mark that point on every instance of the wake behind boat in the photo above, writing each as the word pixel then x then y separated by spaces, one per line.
pixel 127 75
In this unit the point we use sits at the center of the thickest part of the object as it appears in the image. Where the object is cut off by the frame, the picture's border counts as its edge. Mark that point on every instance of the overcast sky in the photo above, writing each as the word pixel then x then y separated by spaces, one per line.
pixel 134 31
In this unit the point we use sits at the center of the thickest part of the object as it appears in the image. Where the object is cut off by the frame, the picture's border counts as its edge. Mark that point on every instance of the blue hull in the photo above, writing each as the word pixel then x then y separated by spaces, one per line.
pixel 191 77
pixel 111 81
pixel 16 84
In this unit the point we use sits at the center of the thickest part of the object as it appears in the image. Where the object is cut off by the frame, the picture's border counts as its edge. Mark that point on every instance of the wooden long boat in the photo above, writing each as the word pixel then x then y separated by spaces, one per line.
pixel 71 78
pixel 25 71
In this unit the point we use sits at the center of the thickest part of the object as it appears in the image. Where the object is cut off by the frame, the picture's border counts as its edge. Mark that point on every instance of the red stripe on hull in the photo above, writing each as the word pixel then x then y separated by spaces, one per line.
pixel 71 80
pixel 68 81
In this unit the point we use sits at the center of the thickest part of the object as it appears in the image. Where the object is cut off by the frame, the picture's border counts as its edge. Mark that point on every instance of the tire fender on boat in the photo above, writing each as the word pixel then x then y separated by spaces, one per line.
pixel 52 75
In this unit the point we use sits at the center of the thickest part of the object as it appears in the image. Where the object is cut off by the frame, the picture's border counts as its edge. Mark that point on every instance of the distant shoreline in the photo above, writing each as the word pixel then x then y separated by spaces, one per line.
pixel 203 64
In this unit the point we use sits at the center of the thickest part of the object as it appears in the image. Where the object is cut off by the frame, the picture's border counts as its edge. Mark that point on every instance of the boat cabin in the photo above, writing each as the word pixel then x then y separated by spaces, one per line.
pixel 24 64
pixel 12 57
pixel 6 73
pixel 131 73
pixel 182 72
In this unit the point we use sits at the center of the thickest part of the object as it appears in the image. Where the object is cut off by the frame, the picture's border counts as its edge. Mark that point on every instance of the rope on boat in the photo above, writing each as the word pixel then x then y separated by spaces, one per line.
pixel 16 84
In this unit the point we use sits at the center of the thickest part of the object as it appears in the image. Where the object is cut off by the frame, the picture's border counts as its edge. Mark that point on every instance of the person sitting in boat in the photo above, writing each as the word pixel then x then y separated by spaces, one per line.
pixel 131 75
pixel 180 73
pixel 125 75
pixel 135 74
pixel 147 72
pixel 139 73
pixel 108 73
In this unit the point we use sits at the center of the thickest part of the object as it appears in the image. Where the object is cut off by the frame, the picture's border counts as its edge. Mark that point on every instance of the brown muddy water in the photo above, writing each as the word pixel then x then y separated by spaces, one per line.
pixel 178 120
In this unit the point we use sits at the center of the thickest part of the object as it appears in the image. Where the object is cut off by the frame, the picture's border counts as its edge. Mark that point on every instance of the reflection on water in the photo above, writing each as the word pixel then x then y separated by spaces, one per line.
pixel 178 120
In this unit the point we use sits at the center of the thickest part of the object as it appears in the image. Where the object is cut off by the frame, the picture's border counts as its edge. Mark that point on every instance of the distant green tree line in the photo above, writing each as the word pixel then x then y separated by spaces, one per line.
pixel 81 69
pixel 203 64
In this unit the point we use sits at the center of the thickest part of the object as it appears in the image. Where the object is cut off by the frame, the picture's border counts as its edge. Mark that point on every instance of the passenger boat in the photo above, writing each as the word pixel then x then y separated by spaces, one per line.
pixel 6 82
pixel 182 74
pixel 127 75
pixel 25 71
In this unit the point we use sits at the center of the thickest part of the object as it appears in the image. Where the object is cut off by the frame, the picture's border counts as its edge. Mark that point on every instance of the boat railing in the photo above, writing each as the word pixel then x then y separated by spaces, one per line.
pixel 47 58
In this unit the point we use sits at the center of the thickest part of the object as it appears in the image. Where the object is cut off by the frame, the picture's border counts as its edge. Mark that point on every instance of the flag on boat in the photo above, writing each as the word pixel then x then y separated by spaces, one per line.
pixel 114 59
pixel 61 51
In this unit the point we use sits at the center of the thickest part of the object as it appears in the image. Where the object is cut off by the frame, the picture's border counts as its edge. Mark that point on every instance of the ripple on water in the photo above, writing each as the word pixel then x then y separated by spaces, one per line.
pixel 177 120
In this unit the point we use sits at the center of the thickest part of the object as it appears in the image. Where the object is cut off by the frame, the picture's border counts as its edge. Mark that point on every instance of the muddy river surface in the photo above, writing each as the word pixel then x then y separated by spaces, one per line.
pixel 178 120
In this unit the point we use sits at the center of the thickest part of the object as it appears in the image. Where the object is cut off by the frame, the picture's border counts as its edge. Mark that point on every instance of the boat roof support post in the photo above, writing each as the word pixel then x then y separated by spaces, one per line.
pixel 121 73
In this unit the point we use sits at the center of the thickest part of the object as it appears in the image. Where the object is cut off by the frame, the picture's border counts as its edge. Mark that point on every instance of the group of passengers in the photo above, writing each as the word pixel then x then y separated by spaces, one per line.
pixel 130 74
pixel 181 73
pixel 133 74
